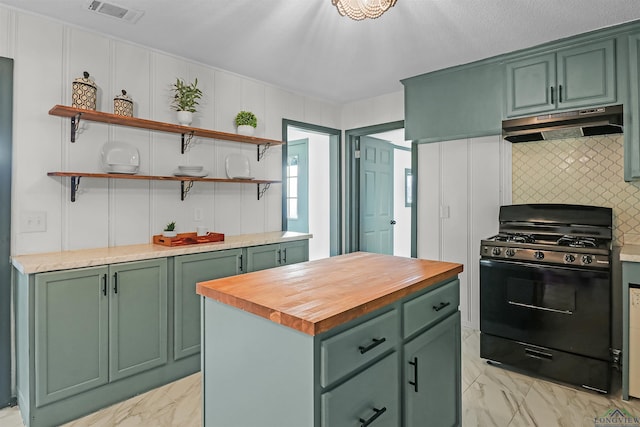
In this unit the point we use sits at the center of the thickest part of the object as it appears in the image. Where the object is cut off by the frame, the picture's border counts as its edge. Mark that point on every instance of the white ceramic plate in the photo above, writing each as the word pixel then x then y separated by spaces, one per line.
pixel 117 155
pixel 121 169
pixel 237 166
pixel 200 174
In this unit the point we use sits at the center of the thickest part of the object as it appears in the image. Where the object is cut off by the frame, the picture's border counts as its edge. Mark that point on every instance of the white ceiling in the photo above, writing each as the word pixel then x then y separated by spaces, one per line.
pixel 307 47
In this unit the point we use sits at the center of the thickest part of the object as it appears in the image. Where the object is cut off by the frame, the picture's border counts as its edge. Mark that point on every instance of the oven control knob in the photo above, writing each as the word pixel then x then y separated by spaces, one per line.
pixel 538 255
pixel 586 259
pixel 569 258
pixel 510 252
pixel 496 251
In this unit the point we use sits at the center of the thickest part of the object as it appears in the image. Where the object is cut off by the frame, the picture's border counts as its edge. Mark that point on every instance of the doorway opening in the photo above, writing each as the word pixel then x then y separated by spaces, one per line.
pixel 381 191
pixel 311 196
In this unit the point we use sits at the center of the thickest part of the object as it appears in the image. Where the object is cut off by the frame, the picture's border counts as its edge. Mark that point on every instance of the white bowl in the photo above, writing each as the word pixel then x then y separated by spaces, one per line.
pixel 190 169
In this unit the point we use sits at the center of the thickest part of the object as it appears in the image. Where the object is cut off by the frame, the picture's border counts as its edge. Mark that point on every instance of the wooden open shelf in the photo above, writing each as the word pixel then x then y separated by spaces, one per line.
pixel 189 180
pixel 75 114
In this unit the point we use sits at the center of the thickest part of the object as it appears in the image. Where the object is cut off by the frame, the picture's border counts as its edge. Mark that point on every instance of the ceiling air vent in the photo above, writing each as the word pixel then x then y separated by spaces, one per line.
pixel 115 11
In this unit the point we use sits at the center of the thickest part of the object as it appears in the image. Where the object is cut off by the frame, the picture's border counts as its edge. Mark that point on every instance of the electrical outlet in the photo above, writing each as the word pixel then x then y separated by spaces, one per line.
pixel 197 214
pixel 33 222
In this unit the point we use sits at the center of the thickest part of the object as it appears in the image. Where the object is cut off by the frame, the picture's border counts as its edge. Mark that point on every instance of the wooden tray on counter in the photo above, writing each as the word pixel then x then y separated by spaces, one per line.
pixel 187 239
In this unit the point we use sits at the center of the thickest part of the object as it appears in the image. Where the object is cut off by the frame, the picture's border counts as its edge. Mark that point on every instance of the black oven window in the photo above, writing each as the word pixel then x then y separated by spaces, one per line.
pixel 543 295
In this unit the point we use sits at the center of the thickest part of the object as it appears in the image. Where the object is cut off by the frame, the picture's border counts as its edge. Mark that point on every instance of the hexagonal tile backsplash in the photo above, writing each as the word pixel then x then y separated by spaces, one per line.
pixel 584 171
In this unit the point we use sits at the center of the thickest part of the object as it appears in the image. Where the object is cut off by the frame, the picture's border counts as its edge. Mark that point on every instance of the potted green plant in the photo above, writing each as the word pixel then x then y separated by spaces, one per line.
pixel 170 230
pixel 246 123
pixel 185 100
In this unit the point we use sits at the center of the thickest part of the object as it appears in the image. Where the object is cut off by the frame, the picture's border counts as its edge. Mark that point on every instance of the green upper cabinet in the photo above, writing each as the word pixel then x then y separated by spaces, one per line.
pixel 631 109
pixel 530 82
pixel 189 270
pixel 456 103
pixel 579 76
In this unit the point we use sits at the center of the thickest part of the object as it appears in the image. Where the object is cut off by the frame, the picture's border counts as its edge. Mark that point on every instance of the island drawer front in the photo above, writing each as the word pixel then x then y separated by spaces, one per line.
pixel 348 350
pixel 431 307
pixel 376 387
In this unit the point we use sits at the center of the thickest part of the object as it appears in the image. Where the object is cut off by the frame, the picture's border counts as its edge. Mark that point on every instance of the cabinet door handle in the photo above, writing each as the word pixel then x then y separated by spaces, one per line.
pixel 279 257
pixel 374 343
pixel 560 93
pixel 104 284
pixel 441 306
pixel 552 101
pixel 284 256
pixel 240 259
pixel 414 383
pixel 372 418
pixel 115 282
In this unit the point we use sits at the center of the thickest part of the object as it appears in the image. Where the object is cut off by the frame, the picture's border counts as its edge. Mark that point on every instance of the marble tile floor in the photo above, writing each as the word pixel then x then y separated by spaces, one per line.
pixel 491 397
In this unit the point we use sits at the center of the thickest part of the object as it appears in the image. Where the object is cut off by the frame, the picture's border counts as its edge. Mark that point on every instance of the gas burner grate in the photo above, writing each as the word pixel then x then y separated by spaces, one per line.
pixel 515 237
pixel 577 242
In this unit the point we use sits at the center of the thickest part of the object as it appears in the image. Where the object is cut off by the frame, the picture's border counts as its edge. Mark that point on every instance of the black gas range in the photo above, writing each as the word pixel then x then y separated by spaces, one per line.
pixel 545 292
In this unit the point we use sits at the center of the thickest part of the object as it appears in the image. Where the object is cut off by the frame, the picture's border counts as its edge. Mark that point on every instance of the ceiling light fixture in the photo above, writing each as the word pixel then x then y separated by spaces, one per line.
pixel 361 9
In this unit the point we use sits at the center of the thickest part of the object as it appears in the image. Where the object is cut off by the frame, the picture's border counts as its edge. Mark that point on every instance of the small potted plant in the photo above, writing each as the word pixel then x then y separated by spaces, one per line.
pixel 170 230
pixel 246 123
pixel 185 100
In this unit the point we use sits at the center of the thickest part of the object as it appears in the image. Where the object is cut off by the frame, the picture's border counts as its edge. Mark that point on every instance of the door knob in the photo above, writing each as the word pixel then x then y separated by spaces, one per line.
pixel 392 222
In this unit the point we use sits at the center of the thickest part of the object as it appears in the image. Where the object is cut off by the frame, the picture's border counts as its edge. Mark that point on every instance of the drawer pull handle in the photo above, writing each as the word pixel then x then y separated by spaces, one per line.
pixel 373 417
pixel 375 342
pixel 560 93
pixel 414 383
pixel 536 354
pixel 441 306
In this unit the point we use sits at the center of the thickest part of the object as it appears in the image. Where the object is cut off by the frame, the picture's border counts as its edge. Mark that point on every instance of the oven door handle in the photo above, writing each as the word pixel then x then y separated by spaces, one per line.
pixel 541 308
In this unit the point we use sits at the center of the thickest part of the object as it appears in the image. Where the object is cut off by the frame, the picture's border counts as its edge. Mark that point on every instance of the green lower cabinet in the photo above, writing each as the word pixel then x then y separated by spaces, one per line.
pixel 432 376
pixel 97 325
pixel 137 317
pixel 189 270
pixel 370 397
pixel 276 255
pixel 71 333
pixel 257 372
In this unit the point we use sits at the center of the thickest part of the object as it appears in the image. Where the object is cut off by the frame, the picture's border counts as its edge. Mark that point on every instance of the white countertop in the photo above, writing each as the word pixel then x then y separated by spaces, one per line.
pixel 52 261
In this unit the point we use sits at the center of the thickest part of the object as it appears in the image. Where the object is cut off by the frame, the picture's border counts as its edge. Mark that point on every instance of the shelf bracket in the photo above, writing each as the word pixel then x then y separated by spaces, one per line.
pixel 186 141
pixel 264 189
pixel 184 189
pixel 75 125
pixel 264 150
pixel 75 185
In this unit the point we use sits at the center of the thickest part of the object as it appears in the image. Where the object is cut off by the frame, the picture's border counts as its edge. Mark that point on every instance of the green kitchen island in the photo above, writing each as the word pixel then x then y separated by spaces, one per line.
pixel 354 340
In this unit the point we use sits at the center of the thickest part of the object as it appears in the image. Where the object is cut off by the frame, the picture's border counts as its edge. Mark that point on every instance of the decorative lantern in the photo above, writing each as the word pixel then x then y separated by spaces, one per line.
pixel 123 105
pixel 85 93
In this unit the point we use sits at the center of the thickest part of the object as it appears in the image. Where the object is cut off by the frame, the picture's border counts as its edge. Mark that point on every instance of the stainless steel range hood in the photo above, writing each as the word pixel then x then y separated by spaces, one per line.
pixel 568 124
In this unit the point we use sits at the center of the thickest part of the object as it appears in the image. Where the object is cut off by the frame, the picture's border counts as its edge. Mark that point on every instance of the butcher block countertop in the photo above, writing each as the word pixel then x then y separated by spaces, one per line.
pixel 316 296
pixel 64 260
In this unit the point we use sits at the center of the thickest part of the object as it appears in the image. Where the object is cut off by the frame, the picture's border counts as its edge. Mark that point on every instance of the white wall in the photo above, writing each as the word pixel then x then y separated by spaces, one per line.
pixel 48 56
pixel 319 192
pixel 461 185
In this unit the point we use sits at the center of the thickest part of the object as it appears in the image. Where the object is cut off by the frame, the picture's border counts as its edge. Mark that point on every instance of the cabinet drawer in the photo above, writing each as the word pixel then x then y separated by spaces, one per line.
pixel 356 346
pixel 371 396
pixel 431 307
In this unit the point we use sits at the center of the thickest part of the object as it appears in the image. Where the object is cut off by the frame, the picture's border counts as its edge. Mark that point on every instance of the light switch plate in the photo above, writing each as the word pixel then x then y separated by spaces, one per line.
pixel 33 222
